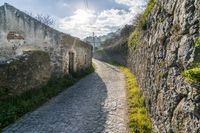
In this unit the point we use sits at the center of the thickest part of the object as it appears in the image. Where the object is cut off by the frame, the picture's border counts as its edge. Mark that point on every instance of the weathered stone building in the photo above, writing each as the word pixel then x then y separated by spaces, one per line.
pixel 20 32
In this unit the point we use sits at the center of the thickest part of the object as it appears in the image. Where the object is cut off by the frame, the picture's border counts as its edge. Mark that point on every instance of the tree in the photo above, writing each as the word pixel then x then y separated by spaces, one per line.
pixel 45 19
pixel 126 31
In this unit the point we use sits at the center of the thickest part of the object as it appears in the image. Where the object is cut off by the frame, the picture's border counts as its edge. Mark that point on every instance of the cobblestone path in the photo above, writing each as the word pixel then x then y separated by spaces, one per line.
pixel 96 104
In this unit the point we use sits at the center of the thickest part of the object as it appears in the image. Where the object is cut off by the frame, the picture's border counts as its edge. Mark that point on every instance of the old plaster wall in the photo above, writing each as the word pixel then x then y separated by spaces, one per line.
pixel 19 32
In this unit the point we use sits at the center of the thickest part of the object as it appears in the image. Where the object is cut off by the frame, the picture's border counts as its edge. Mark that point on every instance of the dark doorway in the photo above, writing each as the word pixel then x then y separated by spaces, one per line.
pixel 71 62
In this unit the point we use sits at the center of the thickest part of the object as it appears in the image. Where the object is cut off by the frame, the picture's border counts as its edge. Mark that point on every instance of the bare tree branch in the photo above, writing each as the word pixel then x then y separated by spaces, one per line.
pixel 46 19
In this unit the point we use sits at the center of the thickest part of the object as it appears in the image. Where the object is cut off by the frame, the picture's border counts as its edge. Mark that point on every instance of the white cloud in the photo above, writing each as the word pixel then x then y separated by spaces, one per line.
pixel 132 2
pixel 135 6
pixel 125 2
pixel 82 23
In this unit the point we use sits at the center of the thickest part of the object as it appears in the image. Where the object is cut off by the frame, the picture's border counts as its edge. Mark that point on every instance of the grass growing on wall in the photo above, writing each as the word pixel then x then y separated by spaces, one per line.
pixel 197 43
pixel 139 120
pixel 13 108
pixel 135 37
pixel 149 8
pixel 192 74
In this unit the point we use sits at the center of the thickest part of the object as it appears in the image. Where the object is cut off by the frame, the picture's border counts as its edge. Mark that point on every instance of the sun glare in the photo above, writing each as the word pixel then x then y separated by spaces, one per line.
pixel 83 16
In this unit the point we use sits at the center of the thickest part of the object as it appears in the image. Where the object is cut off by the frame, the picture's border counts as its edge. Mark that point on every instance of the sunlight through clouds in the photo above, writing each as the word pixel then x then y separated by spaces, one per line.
pixel 83 22
pixel 103 16
pixel 132 2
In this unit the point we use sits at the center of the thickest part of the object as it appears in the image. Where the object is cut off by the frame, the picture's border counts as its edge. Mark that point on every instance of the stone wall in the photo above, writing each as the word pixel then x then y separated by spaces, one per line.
pixel 167 49
pixel 31 70
pixel 19 32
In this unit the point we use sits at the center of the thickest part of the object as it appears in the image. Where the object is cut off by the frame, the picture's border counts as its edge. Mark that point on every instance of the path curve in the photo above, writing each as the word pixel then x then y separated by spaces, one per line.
pixel 96 104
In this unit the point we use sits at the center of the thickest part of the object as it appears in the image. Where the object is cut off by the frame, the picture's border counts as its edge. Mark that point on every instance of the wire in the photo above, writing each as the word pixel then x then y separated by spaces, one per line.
pixel 86 4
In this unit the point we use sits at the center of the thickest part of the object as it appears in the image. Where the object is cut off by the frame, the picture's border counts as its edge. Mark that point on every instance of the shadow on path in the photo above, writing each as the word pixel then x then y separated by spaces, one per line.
pixel 95 104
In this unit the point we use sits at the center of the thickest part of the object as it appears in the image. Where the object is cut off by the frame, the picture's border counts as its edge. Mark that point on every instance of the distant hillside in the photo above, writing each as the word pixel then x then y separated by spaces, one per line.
pixel 99 40
pixel 107 40
pixel 115 46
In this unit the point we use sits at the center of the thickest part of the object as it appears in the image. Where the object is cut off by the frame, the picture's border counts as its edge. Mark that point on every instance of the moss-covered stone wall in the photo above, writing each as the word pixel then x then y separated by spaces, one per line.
pixel 31 70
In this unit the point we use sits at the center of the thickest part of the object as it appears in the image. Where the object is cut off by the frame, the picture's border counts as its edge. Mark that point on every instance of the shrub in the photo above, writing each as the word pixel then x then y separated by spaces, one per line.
pixel 193 74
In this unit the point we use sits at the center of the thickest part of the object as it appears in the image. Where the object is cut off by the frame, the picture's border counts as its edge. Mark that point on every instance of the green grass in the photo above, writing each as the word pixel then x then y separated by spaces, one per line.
pixel 197 43
pixel 192 74
pixel 13 108
pixel 149 8
pixel 139 120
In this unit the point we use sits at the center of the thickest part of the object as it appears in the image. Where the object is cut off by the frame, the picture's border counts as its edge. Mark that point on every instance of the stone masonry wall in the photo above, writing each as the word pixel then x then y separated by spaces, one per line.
pixel 31 70
pixel 19 32
pixel 167 49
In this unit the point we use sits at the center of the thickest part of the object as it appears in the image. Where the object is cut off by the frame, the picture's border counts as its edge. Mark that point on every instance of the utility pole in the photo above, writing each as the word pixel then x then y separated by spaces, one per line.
pixel 93 42
pixel 87 8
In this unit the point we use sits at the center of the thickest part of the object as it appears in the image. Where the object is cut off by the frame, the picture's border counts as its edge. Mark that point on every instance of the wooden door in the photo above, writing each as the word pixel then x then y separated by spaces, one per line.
pixel 71 62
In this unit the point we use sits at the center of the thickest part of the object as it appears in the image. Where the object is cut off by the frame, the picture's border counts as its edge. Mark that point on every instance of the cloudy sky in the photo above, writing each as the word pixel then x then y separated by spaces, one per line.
pixel 73 16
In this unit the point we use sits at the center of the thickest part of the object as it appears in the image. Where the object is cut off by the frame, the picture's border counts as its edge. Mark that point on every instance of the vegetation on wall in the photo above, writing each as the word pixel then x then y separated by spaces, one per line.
pixel 192 74
pixel 143 18
pixel 197 43
pixel 134 39
pixel 150 6
pixel 139 120
pixel 141 25
pixel 14 107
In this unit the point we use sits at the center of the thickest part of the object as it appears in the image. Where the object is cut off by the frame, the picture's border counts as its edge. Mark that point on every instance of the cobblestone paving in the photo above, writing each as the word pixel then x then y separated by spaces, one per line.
pixel 96 104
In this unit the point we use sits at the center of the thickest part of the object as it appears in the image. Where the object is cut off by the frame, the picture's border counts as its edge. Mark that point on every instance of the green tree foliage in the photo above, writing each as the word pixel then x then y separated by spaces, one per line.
pixel 126 31
pixel 124 34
